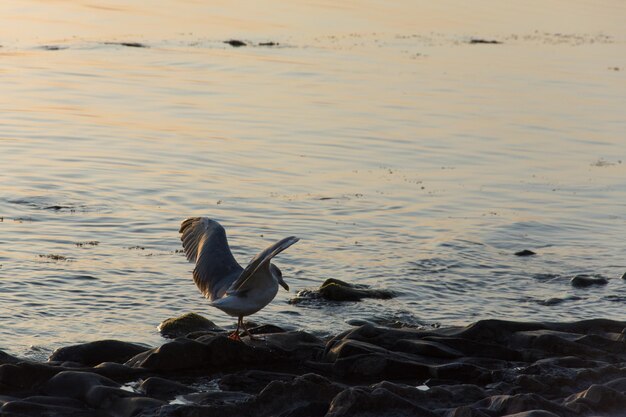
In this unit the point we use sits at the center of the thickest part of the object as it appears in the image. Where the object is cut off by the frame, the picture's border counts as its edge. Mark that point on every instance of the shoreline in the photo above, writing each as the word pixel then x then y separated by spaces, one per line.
pixel 490 367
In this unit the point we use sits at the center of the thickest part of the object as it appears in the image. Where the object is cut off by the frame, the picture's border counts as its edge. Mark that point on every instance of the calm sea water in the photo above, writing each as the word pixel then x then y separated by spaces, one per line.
pixel 402 155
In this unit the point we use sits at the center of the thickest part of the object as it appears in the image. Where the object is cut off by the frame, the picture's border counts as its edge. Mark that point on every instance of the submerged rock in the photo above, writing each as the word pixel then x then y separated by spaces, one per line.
pixel 584 280
pixel 525 252
pixel 337 290
pixel 236 43
pixel 185 324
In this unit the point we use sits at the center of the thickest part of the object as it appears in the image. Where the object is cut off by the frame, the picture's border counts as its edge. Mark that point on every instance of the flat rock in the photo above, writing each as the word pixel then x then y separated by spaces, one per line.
pixel 94 353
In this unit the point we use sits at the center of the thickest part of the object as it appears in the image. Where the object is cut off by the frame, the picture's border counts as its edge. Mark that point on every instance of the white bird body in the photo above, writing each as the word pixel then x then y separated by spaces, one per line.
pixel 236 291
pixel 247 304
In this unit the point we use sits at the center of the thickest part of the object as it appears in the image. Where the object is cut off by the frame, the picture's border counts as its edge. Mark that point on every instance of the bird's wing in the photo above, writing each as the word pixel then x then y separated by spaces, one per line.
pixel 204 241
pixel 260 261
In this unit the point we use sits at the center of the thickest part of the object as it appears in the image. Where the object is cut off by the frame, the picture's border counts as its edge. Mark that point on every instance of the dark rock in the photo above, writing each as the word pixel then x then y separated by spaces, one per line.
pixel 76 384
pixel 6 358
pixel 94 353
pixel 525 252
pixel 427 348
pixel 27 408
pixel 217 354
pixel 301 392
pixel 296 345
pixel 217 398
pixel 133 406
pixel 624 275
pixel 584 280
pixel 379 401
pixel 128 44
pixel 533 413
pixel 382 366
pixel 253 381
pixel 474 41
pixel 163 389
pixel 116 371
pixel 269 44
pixel 235 43
pixel 266 329
pixel 25 376
pixel 53 48
pixel 503 405
pixel 597 398
pixel 185 324
pixel 337 290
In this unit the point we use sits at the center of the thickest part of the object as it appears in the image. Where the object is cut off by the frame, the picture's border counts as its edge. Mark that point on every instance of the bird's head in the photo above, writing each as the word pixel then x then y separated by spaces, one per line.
pixel 278 276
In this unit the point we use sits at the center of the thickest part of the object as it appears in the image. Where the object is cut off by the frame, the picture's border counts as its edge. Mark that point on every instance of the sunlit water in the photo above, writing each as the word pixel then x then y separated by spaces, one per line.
pixel 403 156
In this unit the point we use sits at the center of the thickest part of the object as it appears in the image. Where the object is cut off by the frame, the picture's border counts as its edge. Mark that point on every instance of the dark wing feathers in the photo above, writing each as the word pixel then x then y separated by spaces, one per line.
pixel 204 241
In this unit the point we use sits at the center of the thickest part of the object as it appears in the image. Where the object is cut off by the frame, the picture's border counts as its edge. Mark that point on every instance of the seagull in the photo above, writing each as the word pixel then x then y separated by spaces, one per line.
pixel 236 291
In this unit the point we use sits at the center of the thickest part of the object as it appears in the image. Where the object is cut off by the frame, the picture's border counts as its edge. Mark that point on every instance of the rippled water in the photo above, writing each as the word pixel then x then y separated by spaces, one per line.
pixel 401 154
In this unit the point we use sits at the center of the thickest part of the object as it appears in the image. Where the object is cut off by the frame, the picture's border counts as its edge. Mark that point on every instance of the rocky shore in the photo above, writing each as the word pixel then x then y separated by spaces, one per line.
pixel 489 368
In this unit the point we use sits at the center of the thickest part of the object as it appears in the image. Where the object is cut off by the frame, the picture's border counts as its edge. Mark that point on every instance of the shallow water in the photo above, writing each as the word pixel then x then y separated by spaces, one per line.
pixel 403 157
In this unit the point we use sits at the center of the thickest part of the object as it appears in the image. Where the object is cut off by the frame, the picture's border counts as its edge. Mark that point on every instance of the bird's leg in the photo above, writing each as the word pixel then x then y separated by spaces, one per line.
pixel 245 330
pixel 235 335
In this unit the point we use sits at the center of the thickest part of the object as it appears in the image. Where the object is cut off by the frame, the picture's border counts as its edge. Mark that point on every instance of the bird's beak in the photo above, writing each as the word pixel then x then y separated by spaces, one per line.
pixel 283 284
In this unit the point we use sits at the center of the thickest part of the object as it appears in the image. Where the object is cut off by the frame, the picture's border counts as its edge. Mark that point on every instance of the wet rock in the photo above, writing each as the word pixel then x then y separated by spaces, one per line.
pixel 133 406
pixel 218 398
pixel 585 280
pixel 379 401
pixel 185 324
pixel 475 41
pixel 48 406
pixel 53 48
pixel 218 353
pixel 297 346
pixel 302 392
pixel 503 405
pixel 128 44
pixel 116 371
pixel 76 384
pixel 525 252
pixel 252 382
pixel 25 376
pixel 597 398
pixel 427 348
pixel 93 353
pixel 6 358
pixel 268 44
pixel 533 413
pixel 266 329
pixel 163 389
pixel 235 43
pixel 337 290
